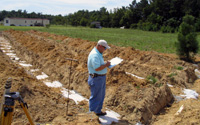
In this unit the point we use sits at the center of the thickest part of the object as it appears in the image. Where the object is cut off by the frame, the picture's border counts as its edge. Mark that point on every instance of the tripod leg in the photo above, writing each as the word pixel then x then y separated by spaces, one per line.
pixel 1 107
pixel 1 111
pixel 6 115
pixel 27 113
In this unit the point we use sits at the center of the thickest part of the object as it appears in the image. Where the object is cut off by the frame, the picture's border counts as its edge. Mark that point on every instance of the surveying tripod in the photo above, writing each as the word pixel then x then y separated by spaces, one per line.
pixel 7 105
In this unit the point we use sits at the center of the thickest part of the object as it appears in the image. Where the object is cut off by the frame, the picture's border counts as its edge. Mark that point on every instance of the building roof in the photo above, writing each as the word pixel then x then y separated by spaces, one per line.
pixel 27 18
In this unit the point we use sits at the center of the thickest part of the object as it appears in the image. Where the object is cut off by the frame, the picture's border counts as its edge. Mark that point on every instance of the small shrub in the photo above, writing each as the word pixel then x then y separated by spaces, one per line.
pixel 48 26
pixel 187 45
pixel 163 29
pixel 178 68
pixel 151 79
pixel 172 74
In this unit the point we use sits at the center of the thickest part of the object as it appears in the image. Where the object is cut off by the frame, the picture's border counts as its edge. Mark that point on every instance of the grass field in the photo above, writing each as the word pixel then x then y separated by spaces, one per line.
pixel 142 40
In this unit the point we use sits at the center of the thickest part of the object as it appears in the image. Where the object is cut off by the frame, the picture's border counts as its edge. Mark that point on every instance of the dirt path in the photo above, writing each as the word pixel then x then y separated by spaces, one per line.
pixel 136 100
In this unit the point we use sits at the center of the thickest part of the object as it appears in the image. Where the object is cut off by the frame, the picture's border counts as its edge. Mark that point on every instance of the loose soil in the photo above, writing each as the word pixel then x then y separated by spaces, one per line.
pixel 136 100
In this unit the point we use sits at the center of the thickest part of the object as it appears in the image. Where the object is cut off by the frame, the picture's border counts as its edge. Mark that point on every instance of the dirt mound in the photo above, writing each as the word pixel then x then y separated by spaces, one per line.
pixel 46 105
pixel 134 98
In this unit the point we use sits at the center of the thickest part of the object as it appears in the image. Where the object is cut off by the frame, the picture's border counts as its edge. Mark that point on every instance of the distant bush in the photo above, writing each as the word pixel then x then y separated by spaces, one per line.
pixel 173 23
pixel 197 25
pixel 139 24
pixel 93 26
pixel 147 26
pixel 133 26
pixel 48 25
pixel 168 29
pixel 154 18
pixel 83 22
pixel 170 26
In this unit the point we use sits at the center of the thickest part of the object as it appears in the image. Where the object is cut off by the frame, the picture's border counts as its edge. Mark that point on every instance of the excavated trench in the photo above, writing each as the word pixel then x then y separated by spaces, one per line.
pixel 136 100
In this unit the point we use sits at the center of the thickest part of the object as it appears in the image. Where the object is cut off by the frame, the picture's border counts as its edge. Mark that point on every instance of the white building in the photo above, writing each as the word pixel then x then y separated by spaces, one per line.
pixel 25 22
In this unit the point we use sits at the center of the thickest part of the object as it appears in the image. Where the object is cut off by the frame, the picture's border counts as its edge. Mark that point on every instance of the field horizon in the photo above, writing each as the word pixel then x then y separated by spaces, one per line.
pixel 138 39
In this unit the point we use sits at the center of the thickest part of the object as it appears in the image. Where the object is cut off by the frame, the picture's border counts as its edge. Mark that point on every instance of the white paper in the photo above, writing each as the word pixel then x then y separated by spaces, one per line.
pixel 115 61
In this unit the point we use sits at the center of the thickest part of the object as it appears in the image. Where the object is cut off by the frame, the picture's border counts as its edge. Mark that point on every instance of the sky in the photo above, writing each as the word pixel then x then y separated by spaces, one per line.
pixel 63 7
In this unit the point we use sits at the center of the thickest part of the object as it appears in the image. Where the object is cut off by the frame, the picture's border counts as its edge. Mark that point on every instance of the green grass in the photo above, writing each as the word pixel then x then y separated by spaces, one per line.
pixel 178 67
pixel 142 40
pixel 172 74
pixel 151 79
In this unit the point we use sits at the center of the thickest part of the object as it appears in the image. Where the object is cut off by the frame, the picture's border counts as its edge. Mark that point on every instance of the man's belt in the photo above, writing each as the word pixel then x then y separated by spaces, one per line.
pixel 95 75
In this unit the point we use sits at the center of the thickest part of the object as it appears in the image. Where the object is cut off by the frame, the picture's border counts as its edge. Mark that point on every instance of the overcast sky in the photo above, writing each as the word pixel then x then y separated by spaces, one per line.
pixel 63 7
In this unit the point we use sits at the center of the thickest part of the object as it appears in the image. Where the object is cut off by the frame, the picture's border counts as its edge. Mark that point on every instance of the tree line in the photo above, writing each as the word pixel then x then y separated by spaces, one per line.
pixel 150 15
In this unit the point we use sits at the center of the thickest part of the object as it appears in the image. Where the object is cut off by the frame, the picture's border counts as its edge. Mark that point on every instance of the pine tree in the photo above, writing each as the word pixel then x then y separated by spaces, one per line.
pixel 187 45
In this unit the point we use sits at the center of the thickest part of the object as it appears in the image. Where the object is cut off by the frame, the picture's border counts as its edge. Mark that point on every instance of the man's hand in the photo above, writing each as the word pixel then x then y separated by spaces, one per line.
pixel 107 64
pixel 103 66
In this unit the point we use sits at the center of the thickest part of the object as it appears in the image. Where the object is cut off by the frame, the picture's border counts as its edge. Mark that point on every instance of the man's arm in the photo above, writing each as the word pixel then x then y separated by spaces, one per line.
pixel 103 66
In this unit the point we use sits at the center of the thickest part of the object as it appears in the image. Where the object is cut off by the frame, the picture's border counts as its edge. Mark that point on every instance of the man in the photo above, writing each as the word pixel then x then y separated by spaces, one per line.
pixel 97 77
